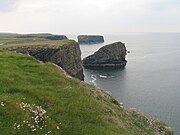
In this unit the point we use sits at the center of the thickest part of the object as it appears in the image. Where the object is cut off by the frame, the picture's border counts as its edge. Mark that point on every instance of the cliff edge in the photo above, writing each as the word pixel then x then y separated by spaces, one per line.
pixel 37 99
pixel 64 53
pixel 38 35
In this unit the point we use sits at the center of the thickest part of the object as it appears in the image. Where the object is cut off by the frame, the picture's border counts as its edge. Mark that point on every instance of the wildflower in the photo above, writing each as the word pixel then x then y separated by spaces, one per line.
pixel 33 130
pixel 58 128
pixel 37 119
pixel 49 132
pixel 2 104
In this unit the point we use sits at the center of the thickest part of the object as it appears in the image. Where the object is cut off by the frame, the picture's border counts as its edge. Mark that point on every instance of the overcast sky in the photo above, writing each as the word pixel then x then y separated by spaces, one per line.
pixel 89 16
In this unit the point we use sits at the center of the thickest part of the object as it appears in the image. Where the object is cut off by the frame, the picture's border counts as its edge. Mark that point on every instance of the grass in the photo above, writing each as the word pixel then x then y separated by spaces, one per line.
pixel 29 42
pixel 70 107
pixel 14 35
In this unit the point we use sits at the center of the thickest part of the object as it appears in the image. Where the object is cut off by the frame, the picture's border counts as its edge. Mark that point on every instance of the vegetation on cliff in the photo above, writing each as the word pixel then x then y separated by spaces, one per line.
pixel 64 53
pixel 38 98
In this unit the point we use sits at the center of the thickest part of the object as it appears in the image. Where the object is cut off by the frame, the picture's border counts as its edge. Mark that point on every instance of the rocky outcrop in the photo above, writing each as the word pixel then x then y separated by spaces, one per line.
pixel 67 56
pixel 113 55
pixel 90 39
pixel 169 131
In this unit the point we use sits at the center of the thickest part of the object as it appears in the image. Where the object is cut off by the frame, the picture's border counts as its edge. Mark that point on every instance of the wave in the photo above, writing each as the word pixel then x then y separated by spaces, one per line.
pixel 105 76
pixel 93 81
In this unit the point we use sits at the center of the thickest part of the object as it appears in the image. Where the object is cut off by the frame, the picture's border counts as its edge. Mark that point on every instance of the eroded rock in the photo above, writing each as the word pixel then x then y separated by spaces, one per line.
pixel 112 55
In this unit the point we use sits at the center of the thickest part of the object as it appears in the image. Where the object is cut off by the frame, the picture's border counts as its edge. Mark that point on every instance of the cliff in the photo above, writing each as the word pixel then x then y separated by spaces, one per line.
pixel 40 35
pixel 37 99
pixel 112 55
pixel 90 39
pixel 46 36
pixel 64 53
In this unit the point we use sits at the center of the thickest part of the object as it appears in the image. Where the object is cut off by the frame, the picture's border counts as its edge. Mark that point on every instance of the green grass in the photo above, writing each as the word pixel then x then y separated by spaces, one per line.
pixel 14 35
pixel 6 41
pixel 30 42
pixel 24 40
pixel 80 108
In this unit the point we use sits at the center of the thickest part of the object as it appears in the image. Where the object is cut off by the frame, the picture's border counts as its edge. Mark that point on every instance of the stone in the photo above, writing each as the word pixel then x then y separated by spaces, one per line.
pixel 90 39
pixel 112 55
pixel 169 131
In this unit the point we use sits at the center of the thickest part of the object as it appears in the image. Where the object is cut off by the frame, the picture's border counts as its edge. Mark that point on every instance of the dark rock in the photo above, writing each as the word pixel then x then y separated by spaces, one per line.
pixel 128 51
pixel 88 39
pixel 169 131
pixel 113 55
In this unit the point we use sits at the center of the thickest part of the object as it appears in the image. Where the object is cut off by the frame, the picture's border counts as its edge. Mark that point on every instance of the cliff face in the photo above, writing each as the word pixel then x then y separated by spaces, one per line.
pixel 113 55
pixel 67 56
pixel 87 39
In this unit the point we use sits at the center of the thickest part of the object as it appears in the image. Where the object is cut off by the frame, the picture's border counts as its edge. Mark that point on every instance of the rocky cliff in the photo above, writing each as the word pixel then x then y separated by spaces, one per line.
pixel 64 53
pixel 40 35
pixel 112 55
pixel 90 39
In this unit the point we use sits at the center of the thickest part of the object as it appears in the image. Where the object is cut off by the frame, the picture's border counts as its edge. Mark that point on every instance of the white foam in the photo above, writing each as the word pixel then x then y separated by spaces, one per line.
pixel 93 81
pixel 103 76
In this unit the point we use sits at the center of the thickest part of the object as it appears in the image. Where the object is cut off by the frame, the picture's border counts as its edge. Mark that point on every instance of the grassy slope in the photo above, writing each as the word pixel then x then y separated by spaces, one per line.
pixel 80 108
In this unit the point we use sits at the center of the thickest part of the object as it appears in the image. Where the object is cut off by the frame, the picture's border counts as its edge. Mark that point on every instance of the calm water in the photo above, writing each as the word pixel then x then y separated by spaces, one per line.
pixel 151 80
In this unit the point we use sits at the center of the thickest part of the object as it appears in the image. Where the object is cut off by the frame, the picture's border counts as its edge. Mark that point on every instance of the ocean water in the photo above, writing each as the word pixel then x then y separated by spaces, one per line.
pixel 150 82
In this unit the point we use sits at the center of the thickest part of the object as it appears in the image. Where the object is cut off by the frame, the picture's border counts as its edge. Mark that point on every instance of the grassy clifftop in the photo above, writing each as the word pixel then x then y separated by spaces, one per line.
pixel 30 42
pixel 38 35
pixel 39 99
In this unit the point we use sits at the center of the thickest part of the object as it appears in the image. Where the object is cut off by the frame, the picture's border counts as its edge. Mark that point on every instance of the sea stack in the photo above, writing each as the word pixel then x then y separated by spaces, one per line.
pixel 112 55
pixel 90 39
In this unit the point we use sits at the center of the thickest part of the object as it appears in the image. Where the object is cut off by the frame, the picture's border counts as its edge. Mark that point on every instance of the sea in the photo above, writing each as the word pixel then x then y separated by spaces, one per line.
pixel 150 82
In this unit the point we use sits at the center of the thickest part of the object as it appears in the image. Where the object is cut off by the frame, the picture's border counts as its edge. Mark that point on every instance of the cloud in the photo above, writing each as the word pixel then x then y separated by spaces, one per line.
pixel 90 16
pixel 8 5
pixel 163 5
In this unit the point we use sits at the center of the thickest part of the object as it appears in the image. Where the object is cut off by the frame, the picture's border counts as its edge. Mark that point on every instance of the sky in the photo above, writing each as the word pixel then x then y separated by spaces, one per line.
pixel 89 16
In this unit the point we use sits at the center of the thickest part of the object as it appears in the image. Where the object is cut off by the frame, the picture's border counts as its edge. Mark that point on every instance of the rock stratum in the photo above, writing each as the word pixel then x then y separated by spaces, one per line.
pixel 90 39
pixel 64 53
pixel 112 55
